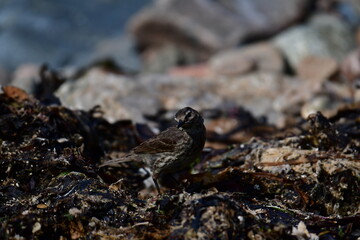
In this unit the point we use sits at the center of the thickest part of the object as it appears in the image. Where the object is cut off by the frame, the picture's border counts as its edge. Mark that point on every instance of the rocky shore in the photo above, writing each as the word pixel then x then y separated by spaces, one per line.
pixel 277 83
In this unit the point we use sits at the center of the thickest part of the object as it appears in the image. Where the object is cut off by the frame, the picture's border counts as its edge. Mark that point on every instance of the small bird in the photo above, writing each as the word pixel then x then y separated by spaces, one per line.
pixel 171 151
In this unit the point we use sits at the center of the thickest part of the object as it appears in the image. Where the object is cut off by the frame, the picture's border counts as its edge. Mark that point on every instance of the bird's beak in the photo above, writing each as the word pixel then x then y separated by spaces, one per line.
pixel 180 123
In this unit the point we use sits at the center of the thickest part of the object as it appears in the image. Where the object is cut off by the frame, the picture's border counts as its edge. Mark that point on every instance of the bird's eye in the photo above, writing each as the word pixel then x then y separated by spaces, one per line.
pixel 187 116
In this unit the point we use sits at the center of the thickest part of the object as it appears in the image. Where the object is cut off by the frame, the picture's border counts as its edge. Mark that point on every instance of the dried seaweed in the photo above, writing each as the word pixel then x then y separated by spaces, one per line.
pixel 282 186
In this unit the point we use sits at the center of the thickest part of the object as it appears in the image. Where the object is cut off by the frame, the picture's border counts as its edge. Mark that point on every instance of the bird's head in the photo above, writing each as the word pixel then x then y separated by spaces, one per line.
pixel 188 118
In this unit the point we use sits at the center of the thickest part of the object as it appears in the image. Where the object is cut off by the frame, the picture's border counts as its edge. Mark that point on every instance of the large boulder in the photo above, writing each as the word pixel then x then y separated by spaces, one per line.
pixel 205 26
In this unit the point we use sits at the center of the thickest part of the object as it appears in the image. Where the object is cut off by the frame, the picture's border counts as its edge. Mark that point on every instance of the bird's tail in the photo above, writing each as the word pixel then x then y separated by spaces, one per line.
pixel 117 161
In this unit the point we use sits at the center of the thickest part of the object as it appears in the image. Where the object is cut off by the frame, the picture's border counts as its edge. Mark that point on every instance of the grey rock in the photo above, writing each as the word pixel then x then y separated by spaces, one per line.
pixel 349 11
pixel 356 5
pixel 205 26
pixel 324 36
pixel 98 87
pixel 4 76
pixel 120 49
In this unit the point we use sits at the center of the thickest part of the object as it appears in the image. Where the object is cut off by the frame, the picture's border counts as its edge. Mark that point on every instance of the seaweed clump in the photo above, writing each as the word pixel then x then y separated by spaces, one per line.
pixel 282 186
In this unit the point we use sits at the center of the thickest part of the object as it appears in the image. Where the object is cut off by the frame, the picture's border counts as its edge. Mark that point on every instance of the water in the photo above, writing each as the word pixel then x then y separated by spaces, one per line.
pixel 57 32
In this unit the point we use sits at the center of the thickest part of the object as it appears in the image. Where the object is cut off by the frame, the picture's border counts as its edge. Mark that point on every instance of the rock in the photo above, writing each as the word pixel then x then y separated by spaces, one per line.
pixel 206 26
pixel 265 94
pixel 94 92
pixel 4 76
pixel 161 59
pixel 194 71
pixel 356 5
pixel 130 98
pixel 262 93
pixel 119 49
pixel 280 155
pixel 260 56
pixel 325 5
pixel 349 10
pixel 26 76
pixel 328 105
pixel 178 92
pixel 351 66
pixel 350 69
pixel 316 68
pixel 324 36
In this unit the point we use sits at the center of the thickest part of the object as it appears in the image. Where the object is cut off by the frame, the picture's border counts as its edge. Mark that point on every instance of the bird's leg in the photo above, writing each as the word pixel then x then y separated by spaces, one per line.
pixel 157 186
pixel 155 181
pixel 148 174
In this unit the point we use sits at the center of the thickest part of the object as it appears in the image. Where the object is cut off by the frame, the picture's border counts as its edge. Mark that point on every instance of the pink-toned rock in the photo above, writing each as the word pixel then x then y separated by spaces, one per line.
pixel 26 76
pixel 326 104
pixel 350 67
pixel 350 70
pixel 316 68
pixel 260 56
pixel 195 71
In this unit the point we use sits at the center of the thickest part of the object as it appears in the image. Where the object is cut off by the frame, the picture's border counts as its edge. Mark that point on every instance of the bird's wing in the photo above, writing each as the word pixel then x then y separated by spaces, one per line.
pixel 166 141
